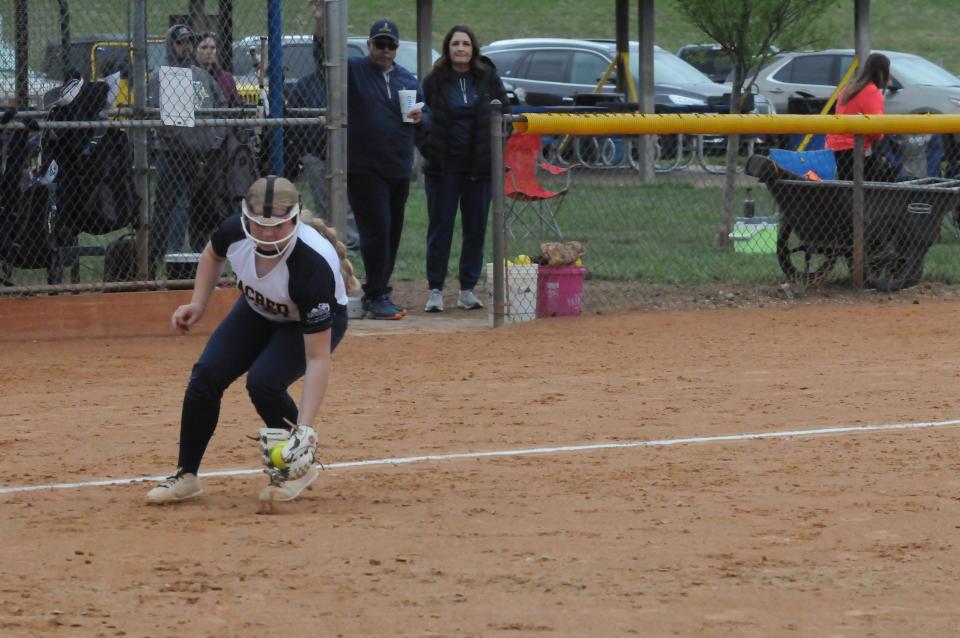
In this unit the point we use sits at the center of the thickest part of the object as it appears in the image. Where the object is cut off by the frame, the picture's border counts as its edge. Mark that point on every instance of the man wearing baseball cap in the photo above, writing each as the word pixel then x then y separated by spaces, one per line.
pixel 380 160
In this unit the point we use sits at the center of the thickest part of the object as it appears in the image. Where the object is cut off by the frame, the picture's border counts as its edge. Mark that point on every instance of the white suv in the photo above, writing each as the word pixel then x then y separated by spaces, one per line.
pixel 916 84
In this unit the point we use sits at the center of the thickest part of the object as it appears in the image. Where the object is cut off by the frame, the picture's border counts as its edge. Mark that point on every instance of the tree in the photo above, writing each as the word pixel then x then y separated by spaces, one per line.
pixel 748 31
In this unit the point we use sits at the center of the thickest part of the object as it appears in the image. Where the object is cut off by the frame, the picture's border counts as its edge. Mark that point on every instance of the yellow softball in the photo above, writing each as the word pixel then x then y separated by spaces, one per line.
pixel 276 456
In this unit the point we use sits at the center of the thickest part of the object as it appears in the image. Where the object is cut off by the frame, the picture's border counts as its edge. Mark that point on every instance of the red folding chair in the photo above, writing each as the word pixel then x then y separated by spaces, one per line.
pixel 532 203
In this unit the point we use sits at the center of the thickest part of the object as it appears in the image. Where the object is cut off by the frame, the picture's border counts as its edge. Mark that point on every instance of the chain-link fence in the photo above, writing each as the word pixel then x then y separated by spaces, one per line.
pixel 105 187
pixel 782 215
pixel 131 129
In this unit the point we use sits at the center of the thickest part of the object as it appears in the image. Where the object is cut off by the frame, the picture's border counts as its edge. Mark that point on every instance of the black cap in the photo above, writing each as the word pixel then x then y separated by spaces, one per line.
pixel 180 32
pixel 385 29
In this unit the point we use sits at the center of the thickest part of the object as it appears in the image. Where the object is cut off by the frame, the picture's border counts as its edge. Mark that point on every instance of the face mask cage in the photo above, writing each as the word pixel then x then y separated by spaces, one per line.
pixel 273 246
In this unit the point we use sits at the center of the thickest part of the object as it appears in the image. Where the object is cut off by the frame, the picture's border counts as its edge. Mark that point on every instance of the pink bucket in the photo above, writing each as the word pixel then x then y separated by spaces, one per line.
pixel 560 291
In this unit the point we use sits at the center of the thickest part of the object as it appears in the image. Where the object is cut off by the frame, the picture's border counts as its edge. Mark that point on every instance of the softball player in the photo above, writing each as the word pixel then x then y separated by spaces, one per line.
pixel 291 315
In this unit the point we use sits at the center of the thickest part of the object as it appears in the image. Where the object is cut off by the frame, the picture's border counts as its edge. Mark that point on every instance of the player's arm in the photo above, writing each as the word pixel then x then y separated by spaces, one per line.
pixel 317 347
pixel 208 273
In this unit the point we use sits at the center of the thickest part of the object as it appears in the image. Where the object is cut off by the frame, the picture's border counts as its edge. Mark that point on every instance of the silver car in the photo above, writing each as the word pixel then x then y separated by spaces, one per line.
pixel 916 84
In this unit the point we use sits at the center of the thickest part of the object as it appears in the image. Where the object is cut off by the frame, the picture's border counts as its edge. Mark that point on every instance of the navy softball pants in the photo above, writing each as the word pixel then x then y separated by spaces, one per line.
pixel 444 194
pixel 273 356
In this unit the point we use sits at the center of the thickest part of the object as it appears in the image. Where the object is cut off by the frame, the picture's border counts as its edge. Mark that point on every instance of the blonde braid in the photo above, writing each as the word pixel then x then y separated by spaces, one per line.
pixel 346 268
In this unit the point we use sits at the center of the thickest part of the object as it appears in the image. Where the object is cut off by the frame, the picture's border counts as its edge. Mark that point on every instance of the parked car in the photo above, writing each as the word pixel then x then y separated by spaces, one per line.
pixel 551 71
pixel 298 60
pixel 713 60
pixel 37 84
pixel 710 59
pixel 406 54
pixel 916 84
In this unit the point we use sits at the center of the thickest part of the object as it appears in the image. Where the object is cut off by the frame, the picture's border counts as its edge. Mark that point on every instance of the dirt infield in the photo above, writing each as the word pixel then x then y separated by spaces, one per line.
pixel 843 534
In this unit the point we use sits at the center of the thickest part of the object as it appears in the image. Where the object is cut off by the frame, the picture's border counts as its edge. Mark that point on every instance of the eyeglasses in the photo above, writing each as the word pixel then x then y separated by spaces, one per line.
pixel 385 44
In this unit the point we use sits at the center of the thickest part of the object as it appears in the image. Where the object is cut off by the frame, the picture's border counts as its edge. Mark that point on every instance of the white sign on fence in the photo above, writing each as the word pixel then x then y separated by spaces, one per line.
pixel 176 96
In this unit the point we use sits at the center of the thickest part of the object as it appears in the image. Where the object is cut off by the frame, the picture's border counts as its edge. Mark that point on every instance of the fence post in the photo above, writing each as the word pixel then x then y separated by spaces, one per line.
pixel 858 262
pixel 275 66
pixel 499 230
pixel 138 137
pixel 21 30
pixel 646 143
pixel 64 36
pixel 334 61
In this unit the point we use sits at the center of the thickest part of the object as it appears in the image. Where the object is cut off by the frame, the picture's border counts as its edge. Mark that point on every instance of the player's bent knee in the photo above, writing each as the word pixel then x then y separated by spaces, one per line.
pixel 204 383
pixel 263 392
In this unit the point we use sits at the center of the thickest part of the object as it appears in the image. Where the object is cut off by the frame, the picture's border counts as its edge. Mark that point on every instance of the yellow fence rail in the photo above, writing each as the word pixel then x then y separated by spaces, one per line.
pixel 720 124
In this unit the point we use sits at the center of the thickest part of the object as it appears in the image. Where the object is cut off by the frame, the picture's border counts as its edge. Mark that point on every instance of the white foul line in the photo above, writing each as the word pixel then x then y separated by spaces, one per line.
pixel 403 460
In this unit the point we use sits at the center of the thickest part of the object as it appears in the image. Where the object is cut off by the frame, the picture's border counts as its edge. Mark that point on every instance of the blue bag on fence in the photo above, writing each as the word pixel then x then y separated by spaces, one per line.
pixel 820 162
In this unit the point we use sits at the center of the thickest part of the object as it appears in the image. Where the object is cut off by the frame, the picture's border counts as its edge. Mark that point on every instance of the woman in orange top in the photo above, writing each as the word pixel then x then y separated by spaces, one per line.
pixel 864 96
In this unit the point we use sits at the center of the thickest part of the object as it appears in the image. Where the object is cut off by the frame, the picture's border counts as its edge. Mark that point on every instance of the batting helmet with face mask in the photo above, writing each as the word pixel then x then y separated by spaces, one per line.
pixel 271 201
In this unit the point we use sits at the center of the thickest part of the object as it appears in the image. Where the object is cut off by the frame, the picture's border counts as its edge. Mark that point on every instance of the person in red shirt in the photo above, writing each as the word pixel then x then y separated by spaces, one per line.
pixel 863 96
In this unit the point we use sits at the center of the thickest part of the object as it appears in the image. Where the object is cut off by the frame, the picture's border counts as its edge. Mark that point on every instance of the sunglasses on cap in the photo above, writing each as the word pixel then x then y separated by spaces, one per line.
pixel 383 44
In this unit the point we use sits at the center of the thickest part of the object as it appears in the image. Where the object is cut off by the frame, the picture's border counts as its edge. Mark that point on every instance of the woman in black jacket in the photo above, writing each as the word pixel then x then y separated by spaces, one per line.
pixel 456 151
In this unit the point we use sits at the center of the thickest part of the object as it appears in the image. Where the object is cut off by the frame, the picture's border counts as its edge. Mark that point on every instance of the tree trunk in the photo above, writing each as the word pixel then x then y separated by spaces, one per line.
pixel 729 193
pixel 722 239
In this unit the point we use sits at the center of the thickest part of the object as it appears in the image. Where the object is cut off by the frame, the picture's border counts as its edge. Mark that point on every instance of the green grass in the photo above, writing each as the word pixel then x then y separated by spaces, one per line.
pixel 656 233
pixel 925 27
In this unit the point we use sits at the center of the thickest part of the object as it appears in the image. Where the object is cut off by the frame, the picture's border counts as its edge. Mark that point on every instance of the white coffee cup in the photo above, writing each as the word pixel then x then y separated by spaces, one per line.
pixel 408 100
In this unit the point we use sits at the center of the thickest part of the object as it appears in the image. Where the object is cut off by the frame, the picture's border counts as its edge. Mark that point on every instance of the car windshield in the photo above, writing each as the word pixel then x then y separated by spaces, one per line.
pixel 8 64
pixel 917 71
pixel 407 57
pixel 708 60
pixel 668 68
pixel 297 59
pixel 109 57
pixel 156 52
pixel 8 58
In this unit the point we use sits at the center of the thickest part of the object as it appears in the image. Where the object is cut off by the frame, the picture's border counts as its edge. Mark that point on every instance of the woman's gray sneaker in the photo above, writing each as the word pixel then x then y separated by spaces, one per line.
pixel 434 301
pixel 468 300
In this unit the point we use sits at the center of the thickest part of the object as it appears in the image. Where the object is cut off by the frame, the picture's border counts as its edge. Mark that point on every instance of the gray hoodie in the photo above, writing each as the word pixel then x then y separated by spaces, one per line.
pixel 206 94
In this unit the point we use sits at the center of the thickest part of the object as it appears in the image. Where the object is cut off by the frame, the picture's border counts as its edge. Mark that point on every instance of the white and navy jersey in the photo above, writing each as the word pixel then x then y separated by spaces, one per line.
pixel 304 284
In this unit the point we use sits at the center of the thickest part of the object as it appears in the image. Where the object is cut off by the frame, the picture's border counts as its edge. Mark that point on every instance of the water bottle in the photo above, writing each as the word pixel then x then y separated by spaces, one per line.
pixel 749 206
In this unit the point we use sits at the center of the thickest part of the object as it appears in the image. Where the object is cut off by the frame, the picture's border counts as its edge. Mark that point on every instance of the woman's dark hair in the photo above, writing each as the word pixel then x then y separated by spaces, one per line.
pixel 876 70
pixel 443 63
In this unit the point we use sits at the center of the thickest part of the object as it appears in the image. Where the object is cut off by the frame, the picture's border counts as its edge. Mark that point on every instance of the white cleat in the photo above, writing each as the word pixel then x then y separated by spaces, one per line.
pixel 179 487
pixel 289 490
